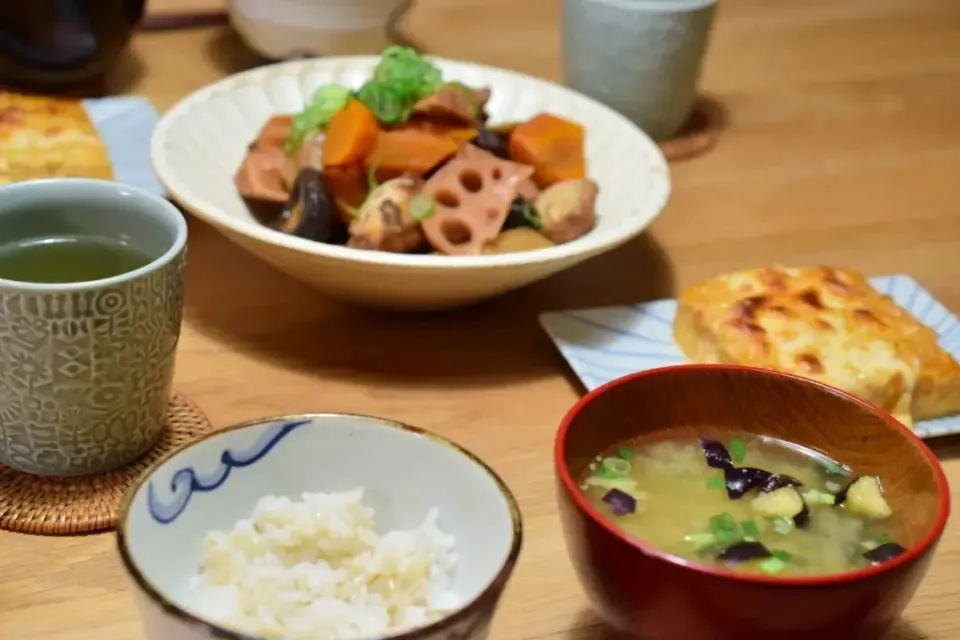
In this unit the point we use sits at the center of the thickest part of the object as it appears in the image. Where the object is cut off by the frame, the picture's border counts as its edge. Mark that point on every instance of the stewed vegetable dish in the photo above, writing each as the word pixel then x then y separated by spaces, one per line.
pixel 752 504
pixel 409 163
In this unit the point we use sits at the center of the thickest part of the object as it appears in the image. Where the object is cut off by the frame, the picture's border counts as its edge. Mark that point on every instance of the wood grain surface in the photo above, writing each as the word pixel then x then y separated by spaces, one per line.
pixel 842 145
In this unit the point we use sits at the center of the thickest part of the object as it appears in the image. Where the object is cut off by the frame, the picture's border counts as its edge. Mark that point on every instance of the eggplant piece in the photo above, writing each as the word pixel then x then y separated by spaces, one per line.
pixel 864 497
pixel 740 480
pixel 716 454
pixel 744 552
pixel 496 143
pixel 310 212
pixel 802 519
pixel 778 481
pixel 621 503
pixel 884 553
pixel 785 502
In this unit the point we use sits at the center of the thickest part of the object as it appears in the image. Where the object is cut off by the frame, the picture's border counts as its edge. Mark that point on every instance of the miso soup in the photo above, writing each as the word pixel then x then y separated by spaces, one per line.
pixel 752 504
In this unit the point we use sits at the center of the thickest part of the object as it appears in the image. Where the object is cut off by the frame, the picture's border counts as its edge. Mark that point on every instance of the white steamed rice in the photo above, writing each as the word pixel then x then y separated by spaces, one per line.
pixel 316 569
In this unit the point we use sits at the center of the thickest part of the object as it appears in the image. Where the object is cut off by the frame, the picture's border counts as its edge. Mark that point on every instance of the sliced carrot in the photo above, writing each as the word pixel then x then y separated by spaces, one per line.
pixel 350 135
pixel 349 187
pixel 553 146
pixel 408 151
pixel 456 132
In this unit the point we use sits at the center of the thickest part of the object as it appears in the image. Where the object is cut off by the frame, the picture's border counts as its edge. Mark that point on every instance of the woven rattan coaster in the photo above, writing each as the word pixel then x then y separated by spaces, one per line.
pixel 698 135
pixel 68 506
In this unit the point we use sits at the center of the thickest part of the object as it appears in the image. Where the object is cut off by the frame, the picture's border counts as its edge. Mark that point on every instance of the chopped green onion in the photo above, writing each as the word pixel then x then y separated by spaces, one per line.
pixel 834 469
pixel 701 540
pixel 724 529
pixel 625 452
pixel 715 483
pixel 783 525
pixel 773 565
pixel 372 182
pixel 738 450
pixel 627 485
pixel 782 555
pixel 531 215
pixel 870 545
pixel 421 207
pixel 815 497
pixel 614 468
pixel 353 211
pixel 750 529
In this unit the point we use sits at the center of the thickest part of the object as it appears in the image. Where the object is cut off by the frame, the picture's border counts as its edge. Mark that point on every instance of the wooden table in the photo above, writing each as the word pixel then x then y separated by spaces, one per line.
pixel 842 146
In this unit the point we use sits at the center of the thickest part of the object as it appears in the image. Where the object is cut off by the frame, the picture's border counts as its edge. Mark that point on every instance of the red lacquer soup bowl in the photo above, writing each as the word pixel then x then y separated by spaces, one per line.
pixel 641 590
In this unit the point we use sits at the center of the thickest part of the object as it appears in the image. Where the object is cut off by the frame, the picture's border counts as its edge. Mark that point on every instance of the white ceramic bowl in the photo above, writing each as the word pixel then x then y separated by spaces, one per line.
pixel 216 481
pixel 198 145
pixel 284 28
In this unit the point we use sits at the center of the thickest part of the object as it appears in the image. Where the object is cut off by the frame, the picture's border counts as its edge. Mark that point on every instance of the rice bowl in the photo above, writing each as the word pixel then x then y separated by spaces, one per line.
pixel 289 527
pixel 317 568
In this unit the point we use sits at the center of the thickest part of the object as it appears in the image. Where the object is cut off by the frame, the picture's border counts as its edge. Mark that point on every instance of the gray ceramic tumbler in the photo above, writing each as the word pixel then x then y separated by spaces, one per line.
pixel 641 57
pixel 86 367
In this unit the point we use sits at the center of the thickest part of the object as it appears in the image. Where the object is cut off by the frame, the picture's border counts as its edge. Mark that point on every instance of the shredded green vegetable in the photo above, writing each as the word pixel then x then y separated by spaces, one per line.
pixel 725 529
pixel 316 115
pixel 402 78
pixel 738 450
pixel 531 215
pixel 625 452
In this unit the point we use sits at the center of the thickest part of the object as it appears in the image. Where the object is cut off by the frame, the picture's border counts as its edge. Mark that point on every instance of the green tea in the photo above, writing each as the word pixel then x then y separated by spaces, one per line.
pixel 68 258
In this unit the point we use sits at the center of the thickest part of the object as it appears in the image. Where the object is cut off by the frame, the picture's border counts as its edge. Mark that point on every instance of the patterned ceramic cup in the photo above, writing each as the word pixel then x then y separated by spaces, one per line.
pixel 641 57
pixel 86 368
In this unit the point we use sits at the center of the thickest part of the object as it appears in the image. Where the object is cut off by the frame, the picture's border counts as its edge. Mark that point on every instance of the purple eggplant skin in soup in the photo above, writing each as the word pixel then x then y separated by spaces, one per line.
pixel 744 552
pixel 620 502
pixel 884 553
pixel 716 454
pixel 740 480
pixel 778 481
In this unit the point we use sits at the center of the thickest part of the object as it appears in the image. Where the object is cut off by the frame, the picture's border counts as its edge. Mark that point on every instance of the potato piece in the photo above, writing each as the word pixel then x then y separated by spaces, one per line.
pixel 384 221
pixel 567 209
pixel 518 239
pixel 864 497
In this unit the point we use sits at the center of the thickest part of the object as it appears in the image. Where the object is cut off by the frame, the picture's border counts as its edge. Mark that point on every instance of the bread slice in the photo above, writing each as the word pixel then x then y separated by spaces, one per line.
pixel 43 137
pixel 824 323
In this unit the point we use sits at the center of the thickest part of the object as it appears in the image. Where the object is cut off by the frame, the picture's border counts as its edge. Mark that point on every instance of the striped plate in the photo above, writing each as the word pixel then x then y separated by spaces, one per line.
pixel 125 125
pixel 607 343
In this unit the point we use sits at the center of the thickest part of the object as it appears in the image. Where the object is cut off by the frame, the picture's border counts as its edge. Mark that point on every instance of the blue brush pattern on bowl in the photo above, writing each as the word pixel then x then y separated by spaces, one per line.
pixel 186 482
pixel 603 344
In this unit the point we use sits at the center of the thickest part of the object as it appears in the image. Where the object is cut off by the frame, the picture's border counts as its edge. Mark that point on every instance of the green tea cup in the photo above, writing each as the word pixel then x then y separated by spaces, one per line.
pixel 86 366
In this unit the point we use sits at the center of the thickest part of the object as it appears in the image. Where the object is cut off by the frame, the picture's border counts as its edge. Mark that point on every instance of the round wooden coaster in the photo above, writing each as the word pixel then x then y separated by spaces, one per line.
pixel 84 504
pixel 698 135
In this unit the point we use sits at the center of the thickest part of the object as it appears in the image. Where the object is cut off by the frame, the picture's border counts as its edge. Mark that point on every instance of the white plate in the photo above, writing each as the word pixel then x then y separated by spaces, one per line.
pixel 607 343
pixel 199 144
pixel 125 125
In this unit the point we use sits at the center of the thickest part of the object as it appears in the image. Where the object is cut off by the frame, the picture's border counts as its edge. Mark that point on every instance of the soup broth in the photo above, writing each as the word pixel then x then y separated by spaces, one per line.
pixel 68 258
pixel 749 504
